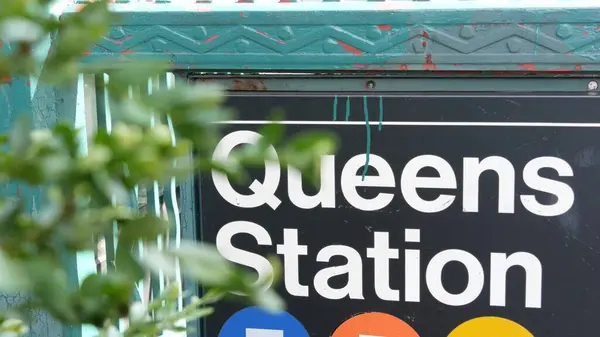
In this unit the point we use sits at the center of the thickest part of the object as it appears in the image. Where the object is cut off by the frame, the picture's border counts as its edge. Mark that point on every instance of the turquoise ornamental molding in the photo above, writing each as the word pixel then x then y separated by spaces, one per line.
pixel 554 36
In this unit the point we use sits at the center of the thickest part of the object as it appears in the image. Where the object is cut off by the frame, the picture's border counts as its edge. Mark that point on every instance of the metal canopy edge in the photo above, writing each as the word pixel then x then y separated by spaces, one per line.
pixel 562 36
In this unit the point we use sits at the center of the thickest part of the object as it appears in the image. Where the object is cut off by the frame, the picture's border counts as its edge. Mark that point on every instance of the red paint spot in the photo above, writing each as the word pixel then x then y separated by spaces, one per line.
pixel 429 65
pixel 126 52
pixel 424 44
pixel 360 66
pixel 403 67
pixel 5 79
pixel 128 37
pixel 262 33
pixel 586 33
pixel 1 43
pixel 350 49
pixel 28 83
pixel 425 34
pixel 241 14
pixel 521 24
pixel 85 53
pixel 578 67
pixel 210 38
pixel 384 27
pixel 527 66
pixel 597 28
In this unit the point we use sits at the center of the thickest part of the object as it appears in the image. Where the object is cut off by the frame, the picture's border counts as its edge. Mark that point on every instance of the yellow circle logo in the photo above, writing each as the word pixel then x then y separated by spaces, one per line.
pixel 490 327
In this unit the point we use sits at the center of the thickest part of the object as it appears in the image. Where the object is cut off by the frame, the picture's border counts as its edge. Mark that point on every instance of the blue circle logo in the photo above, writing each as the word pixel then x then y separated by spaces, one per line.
pixel 257 322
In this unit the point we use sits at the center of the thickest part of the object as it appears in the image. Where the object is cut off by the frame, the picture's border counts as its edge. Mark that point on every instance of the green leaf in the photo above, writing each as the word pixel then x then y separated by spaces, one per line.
pixel 126 263
pixel 269 300
pixel 199 313
pixel 130 232
pixel 200 102
pixel 69 137
pixel 131 112
pixel 92 285
pixel 134 74
pixel 19 136
pixel 50 286
pixel 9 211
pixel 272 134
pixel 110 187
pixel 203 262
pixel 143 228
pixel 159 261
pixel 210 297
pixel 14 277
pixel 118 286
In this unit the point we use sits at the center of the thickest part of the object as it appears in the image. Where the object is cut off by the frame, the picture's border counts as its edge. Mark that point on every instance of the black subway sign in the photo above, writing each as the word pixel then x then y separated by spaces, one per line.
pixel 451 215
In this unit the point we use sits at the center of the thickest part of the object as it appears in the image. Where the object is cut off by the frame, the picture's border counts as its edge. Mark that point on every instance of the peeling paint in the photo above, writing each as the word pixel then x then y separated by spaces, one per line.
pixel 263 34
pixel 210 38
pixel 429 65
pixel 249 84
pixel 527 66
pixel 349 48
pixel 368 127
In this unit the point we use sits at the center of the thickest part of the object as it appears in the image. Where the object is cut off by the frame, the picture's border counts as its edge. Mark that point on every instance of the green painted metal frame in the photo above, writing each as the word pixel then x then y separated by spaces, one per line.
pixel 562 36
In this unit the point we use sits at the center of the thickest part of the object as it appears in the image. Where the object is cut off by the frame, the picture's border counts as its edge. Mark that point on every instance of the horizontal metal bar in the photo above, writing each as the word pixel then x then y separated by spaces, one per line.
pixel 375 84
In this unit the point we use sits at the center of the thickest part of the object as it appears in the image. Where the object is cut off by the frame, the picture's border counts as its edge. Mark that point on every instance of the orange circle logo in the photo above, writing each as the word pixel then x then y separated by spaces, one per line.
pixel 374 324
pixel 490 327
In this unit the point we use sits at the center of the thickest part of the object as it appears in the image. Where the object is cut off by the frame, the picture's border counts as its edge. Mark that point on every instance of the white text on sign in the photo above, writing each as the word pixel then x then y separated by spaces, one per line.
pixel 382 253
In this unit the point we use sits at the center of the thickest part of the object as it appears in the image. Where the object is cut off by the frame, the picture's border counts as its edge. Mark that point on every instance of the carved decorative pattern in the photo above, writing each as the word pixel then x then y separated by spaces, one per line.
pixel 351 41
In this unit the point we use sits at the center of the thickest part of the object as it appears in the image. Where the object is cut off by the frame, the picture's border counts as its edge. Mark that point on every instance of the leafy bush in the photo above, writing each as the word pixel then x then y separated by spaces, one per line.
pixel 87 191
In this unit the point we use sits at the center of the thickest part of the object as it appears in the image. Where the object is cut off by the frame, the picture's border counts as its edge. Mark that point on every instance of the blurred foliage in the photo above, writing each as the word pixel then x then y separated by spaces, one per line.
pixel 88 191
